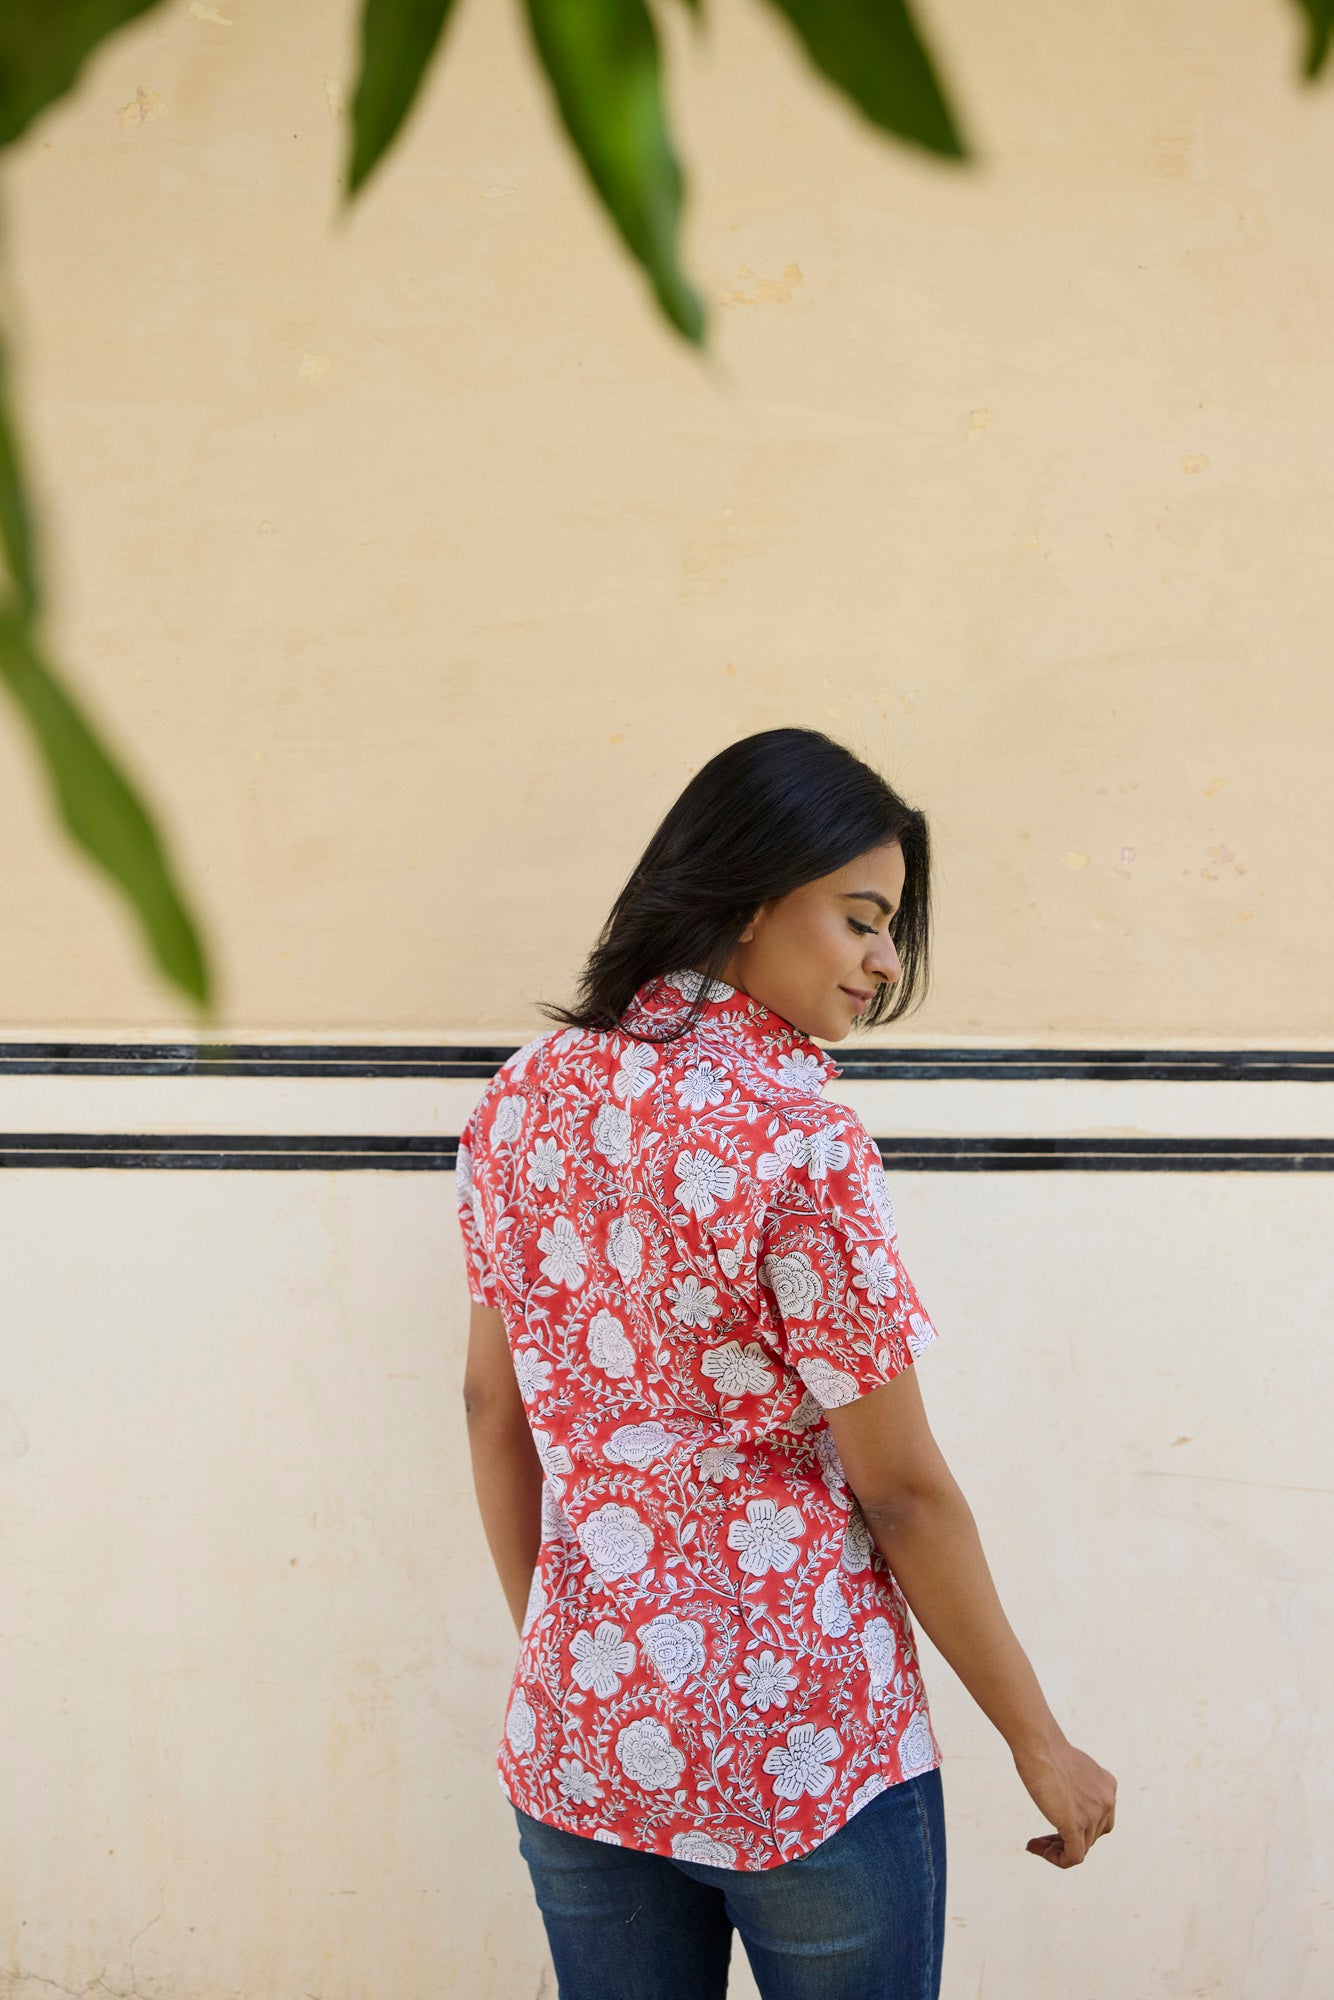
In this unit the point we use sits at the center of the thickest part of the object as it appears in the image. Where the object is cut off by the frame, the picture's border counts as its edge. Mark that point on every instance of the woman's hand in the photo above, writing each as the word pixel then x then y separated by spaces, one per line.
pixel 1074 1793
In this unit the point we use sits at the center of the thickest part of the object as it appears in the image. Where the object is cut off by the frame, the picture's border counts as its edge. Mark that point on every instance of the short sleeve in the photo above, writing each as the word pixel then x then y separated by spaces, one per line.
pixel 481 1278
pixel 849 1317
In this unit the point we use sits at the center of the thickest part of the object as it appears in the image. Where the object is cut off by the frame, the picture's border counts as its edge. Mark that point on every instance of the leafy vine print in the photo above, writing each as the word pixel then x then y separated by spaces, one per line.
pixel 695 1256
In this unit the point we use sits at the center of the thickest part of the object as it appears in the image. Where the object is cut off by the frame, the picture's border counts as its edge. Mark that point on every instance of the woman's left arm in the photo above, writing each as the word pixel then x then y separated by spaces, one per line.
pixel 506 1471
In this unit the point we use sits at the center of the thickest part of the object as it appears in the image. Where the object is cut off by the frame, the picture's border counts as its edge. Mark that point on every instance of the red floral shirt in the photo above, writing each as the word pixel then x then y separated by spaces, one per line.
pixel 695 1256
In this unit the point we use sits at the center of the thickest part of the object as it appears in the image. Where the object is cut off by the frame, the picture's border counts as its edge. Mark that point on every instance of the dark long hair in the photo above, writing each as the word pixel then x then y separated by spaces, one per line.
pixel 764 816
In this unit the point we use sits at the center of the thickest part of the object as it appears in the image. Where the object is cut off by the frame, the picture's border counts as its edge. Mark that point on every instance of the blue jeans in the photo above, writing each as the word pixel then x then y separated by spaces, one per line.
pixel 860 1917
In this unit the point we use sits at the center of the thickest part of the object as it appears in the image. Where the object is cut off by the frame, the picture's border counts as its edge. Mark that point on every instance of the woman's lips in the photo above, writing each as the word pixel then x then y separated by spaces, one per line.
pixel 858 998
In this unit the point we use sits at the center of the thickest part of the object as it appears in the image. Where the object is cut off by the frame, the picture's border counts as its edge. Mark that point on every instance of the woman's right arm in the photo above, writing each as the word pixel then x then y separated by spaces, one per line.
pixel 924 1528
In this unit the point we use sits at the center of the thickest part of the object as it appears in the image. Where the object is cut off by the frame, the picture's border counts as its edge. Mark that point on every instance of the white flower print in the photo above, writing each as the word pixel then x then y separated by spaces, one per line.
pixel 831 1608
pixel 675 1646
pixel 702 1084
pixel 555 1460
pixel 565 1254
pixel 831 1465
pixel 616 1201
pixel 699 1846
pixel 638 1444
pixel 615 1540
pixel 718 1462
pixel 513 1069
pixel 790 1150
pixel 766 1538
pixel 608 1348
pixel 635 1072
pixel 766 1681
pixel 794 1282
pixel 690 981
pixel 532 1371
pixel 521 1725
pixel 825 1150
pixel 508 1121
pixel 702 1181
pixel 878 1188
pixel 916 1751
pixel 646 1753
pixel 579 1786
pixel 601 1659
pixel 878 1646
pixel 611 1134
pixel 875 1276
pixel 807 1412
pixel 738 1371
pixel 536 1605
pixel 555 1527
pixel 865 1792
pixel 806 1765
pixel 856 1543
pixel 921 1333
pixel 830 1387
pixel 546 1164
pixel 624 1247
pixel 802 1072
pixel 693 1304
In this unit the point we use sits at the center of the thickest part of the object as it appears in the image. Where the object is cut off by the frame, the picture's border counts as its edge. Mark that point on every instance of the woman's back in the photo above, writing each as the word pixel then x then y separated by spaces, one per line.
pixel 695 1256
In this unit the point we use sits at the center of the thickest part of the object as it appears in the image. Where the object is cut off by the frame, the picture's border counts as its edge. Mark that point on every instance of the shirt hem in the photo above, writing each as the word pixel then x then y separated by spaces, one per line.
pixel 781 1861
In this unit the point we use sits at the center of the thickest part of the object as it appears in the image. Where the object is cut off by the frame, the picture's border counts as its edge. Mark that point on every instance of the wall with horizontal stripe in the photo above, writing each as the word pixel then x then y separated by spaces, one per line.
pixel 252 1632
pixel 930 1110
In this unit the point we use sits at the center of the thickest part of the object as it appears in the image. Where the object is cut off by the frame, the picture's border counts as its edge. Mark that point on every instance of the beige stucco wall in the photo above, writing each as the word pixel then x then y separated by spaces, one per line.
pixel 254 1660
pixel 415 566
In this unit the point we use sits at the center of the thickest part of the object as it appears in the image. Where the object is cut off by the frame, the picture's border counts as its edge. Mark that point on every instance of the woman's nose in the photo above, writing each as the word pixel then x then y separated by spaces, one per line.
pixel 883 960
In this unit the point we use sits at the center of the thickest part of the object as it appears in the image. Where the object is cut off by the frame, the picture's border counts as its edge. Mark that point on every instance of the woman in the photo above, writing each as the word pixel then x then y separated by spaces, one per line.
pixel 699 1448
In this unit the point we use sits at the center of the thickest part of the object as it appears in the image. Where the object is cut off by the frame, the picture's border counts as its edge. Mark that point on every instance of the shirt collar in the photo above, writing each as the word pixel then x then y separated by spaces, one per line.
pixel 788 1055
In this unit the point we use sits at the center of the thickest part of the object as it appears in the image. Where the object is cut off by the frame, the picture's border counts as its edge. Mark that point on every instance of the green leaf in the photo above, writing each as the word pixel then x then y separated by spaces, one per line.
pixel 398 39
pixel 100 809
pixel 95 800
pixel 43 44
pixel 1320 15
pixel 16 532
pixel 602 59
pixel 872 51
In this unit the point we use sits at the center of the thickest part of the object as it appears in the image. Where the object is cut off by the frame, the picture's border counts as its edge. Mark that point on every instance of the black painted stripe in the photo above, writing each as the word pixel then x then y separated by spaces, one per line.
pixel 419 1152
pixel 460 1061
pixel 322 1151
pixel 245 1059
pixel 1090 1065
